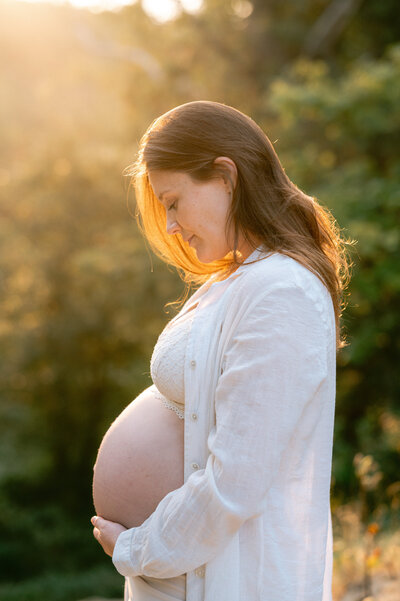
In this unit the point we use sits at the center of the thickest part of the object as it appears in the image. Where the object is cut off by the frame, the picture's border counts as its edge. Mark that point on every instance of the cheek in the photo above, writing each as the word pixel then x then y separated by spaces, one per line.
pixel 207 215
pixel 194 219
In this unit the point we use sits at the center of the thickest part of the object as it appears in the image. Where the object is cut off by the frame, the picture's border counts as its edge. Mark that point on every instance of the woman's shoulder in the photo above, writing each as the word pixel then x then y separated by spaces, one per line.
pixel 277 270
pixel 269 269
pixel 282 281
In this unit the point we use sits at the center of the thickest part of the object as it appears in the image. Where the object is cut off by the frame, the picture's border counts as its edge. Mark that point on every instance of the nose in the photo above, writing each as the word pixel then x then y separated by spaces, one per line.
pixel 172 226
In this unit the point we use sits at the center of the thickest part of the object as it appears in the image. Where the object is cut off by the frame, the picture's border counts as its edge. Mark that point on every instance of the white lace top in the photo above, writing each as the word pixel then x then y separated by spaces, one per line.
pixel 168 360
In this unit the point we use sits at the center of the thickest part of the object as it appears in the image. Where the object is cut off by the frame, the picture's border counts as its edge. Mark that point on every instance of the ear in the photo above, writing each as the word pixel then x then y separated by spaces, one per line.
pixel 229 171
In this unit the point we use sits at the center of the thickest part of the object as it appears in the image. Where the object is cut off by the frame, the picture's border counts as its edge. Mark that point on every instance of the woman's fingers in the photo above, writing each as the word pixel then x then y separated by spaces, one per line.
pixel 106 533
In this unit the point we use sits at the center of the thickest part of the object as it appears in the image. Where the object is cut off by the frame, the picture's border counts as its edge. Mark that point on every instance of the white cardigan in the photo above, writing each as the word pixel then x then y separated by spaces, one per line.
pixel 252 521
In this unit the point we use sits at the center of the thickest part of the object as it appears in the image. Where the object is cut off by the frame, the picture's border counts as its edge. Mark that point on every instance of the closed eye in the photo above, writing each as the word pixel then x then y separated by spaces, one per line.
pixel 172 206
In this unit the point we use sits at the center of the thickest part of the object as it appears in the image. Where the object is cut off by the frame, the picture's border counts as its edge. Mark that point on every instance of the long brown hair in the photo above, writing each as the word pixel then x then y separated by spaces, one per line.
pixel 265 206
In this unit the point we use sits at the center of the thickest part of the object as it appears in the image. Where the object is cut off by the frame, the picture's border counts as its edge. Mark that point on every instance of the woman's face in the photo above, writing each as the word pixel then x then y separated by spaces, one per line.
pixel 195 210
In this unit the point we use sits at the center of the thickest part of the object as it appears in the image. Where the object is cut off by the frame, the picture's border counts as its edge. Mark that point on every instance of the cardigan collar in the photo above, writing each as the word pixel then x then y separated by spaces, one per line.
pixel 256 254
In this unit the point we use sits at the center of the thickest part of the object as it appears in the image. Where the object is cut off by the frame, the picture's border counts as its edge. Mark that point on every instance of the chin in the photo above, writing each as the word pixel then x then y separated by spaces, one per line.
pixel 204 259
pixel 208 256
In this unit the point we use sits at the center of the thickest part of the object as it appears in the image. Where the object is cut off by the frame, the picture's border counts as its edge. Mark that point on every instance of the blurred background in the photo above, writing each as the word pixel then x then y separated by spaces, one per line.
pixel 83 299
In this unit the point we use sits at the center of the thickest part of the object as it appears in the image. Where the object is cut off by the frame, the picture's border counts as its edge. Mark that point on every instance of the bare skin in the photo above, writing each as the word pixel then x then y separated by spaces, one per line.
pixel 140 460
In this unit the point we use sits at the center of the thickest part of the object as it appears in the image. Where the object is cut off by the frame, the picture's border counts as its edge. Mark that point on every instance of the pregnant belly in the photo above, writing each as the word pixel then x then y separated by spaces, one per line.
pixel 140 460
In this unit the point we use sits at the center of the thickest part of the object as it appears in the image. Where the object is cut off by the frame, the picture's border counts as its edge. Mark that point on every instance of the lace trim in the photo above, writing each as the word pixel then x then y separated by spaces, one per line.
pixel 171 405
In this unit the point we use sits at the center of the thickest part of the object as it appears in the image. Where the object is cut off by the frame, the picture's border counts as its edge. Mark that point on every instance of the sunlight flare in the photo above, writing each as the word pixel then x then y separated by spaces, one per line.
pixel 160 10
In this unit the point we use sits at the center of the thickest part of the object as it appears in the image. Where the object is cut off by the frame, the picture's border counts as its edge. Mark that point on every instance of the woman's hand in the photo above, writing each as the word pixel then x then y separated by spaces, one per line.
pixel 106 533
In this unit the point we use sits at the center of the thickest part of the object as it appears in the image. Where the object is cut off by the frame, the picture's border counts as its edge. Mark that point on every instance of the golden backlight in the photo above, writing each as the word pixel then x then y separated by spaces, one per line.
pixel 161 10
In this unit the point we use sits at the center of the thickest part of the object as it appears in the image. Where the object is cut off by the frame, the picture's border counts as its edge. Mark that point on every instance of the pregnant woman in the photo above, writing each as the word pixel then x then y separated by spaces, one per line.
pixel 213 484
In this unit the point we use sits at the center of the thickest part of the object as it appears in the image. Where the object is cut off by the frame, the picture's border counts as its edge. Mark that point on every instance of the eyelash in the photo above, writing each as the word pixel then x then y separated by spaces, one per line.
pixel 171 206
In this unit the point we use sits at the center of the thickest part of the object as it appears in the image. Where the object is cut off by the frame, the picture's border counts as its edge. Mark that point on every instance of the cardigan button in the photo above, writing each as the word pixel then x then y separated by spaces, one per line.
pixel 193 363
pixel 195 466
pixel 194 416
pixel 200 572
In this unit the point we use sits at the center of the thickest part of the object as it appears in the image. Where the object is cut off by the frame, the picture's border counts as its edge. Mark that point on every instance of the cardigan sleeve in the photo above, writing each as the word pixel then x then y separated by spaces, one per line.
pixel 274 363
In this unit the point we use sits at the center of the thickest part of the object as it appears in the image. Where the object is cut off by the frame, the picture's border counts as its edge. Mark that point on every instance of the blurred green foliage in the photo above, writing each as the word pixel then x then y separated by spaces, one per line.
pixel 82 298
pixel 348 128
